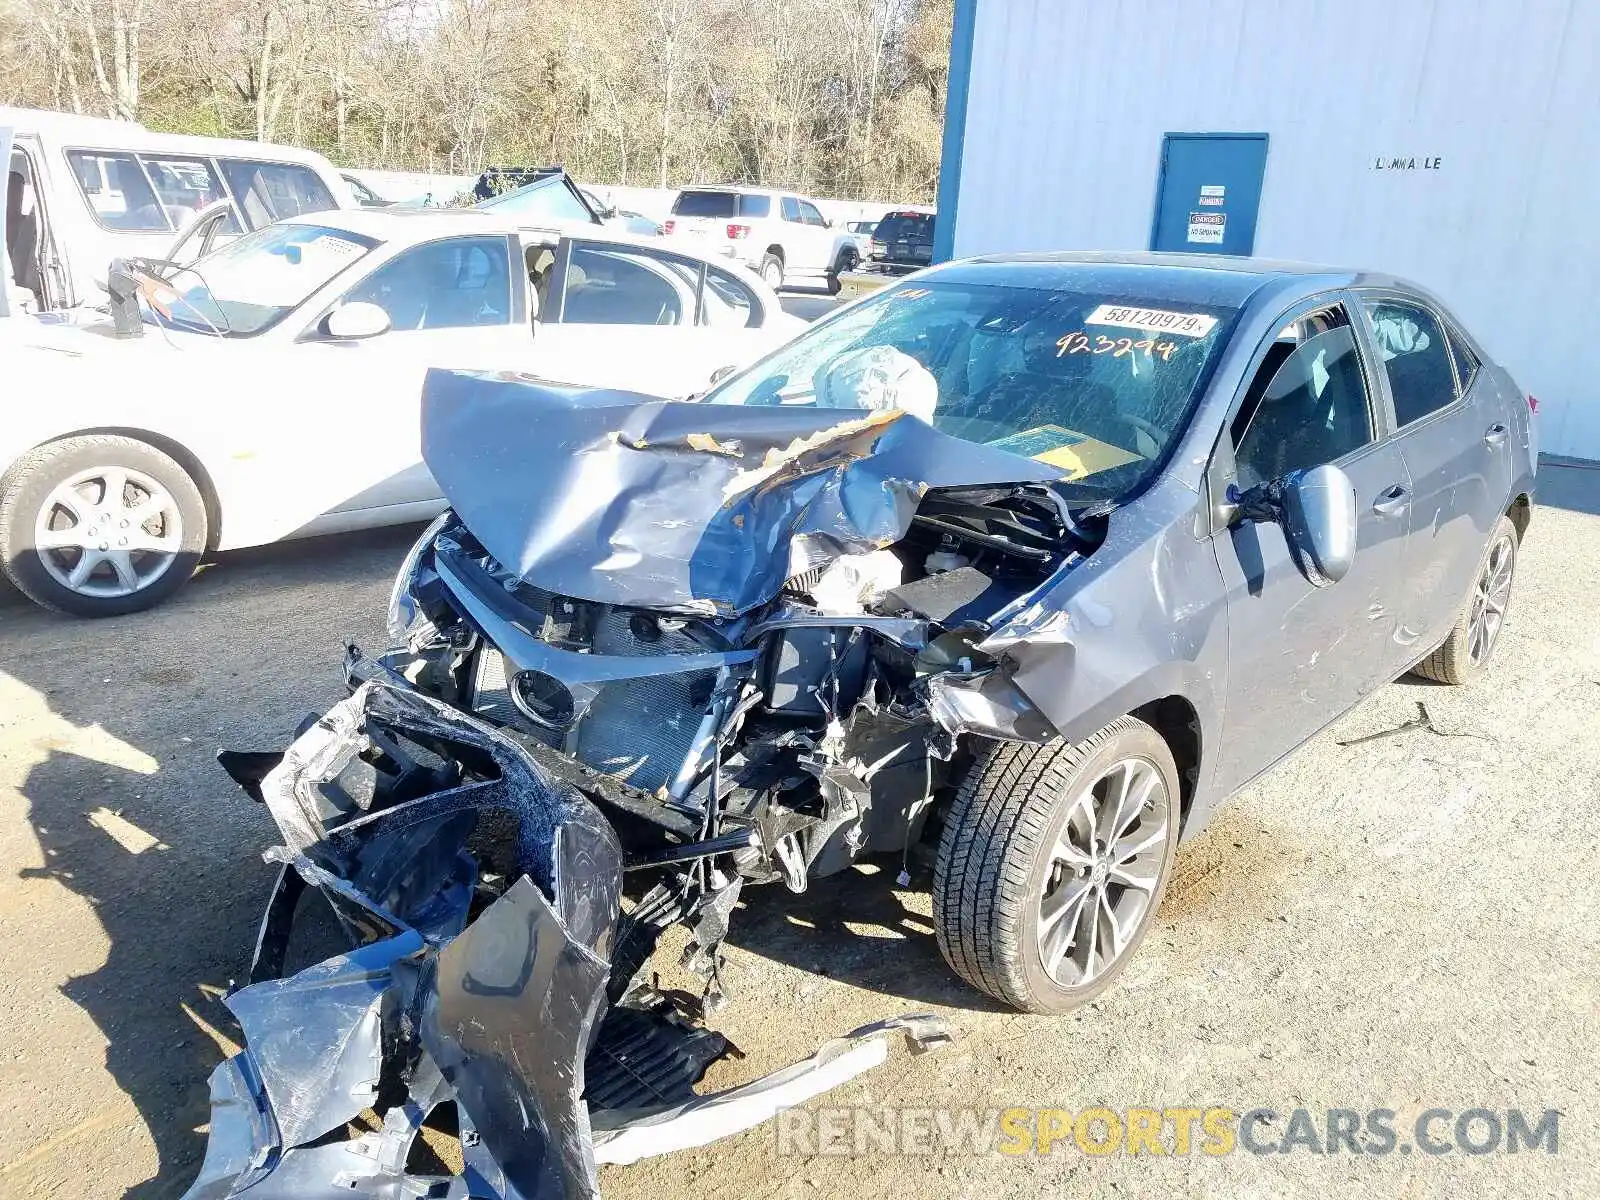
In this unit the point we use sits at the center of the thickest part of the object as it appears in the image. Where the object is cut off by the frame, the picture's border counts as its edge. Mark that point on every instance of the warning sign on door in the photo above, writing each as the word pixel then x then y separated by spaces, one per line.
pixel 1206 228
pixel 1213 195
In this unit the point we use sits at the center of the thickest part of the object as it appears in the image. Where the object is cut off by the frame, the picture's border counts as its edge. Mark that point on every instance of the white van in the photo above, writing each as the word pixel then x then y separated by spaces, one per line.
pixel 84 190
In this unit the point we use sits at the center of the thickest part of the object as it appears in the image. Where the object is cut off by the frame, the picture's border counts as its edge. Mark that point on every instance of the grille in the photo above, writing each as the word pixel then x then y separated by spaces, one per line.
pixel 638 730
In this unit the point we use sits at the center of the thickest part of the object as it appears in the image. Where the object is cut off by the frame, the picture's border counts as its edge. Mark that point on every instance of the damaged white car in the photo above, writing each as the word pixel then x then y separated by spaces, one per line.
pixel 274 392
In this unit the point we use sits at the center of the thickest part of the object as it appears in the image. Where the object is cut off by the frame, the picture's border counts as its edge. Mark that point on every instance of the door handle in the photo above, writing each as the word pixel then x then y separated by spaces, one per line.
pixel 1495 435
pixel 1393 499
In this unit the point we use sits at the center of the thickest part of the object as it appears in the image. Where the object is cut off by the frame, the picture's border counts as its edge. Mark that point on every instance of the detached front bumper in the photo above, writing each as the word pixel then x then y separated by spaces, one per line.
pixel 503 999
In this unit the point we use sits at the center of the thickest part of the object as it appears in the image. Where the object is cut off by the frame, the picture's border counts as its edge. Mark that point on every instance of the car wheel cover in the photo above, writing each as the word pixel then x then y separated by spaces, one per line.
pixel 1490 595
pixel 772 272
pixel 1103 871
pixel 108 532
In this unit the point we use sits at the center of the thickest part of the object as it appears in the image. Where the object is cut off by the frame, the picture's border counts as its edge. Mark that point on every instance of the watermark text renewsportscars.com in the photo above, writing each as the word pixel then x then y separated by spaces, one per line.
pixel 1179 1131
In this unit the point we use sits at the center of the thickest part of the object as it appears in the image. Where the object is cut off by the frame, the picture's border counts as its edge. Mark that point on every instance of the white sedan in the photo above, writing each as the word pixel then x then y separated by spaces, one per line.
pixel 275 390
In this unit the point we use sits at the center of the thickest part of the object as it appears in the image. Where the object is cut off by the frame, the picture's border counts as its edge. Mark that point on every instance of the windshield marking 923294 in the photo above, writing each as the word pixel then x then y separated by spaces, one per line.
pixel 1037 372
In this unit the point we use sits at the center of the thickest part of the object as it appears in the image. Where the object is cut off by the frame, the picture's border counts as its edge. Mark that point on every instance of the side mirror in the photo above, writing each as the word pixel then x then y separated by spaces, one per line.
pixel 1317 510
pixel 356 321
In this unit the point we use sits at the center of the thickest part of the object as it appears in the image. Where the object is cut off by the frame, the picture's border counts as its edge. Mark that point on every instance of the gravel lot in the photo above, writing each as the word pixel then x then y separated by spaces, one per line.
pixel 1406 922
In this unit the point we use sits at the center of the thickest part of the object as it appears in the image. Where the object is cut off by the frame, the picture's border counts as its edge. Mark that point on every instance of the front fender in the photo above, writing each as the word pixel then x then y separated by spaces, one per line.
pixel 1142 619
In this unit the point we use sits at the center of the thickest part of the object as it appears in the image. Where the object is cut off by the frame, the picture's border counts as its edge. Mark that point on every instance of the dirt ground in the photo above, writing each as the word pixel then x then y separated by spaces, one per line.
pixel 1407 922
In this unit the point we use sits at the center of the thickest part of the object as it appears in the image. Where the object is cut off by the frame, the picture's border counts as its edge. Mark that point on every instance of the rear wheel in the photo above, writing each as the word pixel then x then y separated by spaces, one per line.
pixel 1464 654
pixel 848 261
pixel 1053 861
pixel 99 525
pixel 772 271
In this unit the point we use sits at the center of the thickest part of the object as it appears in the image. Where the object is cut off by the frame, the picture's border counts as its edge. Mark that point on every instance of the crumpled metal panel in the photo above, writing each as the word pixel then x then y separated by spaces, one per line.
pixel 499 1015
pixel 509 1025
pixel 315 1038
pixel 612 496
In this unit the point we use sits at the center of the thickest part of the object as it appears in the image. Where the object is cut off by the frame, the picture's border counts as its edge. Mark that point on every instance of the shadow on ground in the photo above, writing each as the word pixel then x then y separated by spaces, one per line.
pixel 854 927
pixel 170 862
pixel 173 916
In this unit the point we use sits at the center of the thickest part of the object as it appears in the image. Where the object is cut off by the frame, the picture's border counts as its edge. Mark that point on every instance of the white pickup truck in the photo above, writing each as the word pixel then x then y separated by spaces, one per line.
pixel 782 236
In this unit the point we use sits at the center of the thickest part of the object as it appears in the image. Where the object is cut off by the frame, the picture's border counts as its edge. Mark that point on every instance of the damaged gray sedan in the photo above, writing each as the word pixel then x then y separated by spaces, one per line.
pixel 1020 567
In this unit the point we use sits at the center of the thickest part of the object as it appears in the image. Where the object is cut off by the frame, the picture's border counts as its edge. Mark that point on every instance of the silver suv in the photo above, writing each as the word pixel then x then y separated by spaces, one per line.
pixel 781 235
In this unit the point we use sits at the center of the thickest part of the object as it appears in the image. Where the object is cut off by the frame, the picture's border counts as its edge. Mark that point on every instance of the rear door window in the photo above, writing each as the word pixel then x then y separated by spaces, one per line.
pixel 1416 357
pixel 114 187
pixel 1466 361
pixel 729 303
pixel 616 285
pixel 269 191
pixel 185 186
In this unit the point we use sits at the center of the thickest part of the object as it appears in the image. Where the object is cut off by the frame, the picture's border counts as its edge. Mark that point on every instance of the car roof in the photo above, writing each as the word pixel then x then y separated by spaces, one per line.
pixel 1225 280
pixel 411 225
pixel 743 190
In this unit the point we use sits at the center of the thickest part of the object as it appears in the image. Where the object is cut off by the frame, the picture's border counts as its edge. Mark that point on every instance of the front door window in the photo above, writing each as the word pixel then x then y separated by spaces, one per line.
pixel 1308 403
pixel 454 284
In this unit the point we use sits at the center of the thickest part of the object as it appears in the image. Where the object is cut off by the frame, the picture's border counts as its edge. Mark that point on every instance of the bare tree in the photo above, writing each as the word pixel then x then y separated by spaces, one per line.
pixel 839 97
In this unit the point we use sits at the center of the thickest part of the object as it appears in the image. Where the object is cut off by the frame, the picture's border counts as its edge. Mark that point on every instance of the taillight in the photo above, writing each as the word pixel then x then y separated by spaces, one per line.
pixel 877 247
pixel 668 226
pixel 1533 403
pixel 738 231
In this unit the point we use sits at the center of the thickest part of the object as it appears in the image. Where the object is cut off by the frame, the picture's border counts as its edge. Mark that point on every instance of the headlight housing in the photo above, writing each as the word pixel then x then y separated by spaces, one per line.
pixel 408 625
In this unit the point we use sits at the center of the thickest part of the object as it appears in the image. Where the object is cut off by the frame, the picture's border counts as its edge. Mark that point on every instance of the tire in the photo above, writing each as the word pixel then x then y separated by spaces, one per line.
pixel 772 271
pixel 848 261
pixel 1459 658
pixel 997 864
pixel 62 488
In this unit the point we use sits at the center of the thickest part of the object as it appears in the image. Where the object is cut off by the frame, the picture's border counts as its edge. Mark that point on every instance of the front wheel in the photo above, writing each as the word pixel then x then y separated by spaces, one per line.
pixel 98 525
pixel 1053 861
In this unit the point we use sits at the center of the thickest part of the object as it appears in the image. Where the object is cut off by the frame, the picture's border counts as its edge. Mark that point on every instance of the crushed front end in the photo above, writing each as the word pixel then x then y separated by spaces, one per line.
pixel 752 637
pixel 489 987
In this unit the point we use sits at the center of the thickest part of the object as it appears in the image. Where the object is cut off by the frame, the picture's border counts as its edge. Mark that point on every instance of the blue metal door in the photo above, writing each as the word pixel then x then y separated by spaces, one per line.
pixel 1209 192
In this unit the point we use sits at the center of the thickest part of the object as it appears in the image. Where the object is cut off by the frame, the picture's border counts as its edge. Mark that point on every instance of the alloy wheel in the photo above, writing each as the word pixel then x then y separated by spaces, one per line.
pixel 108 531
pixel 1489 599
pixel 1103 871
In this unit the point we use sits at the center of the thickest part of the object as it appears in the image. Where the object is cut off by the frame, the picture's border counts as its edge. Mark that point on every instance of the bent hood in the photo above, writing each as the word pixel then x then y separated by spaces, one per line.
pixel 624 499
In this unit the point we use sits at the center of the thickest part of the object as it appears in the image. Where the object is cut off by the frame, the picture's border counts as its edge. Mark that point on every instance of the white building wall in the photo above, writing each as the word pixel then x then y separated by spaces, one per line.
pixel 1068 101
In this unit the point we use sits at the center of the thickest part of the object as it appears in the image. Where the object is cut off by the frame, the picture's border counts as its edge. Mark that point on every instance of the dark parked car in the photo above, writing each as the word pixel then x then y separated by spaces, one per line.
pixel 902 242
pixel 1023 564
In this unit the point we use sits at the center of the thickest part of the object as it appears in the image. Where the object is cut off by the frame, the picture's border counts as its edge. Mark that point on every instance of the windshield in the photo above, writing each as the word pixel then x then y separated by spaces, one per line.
pixel 251 284
pixel 543 200
pixel 1099 385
